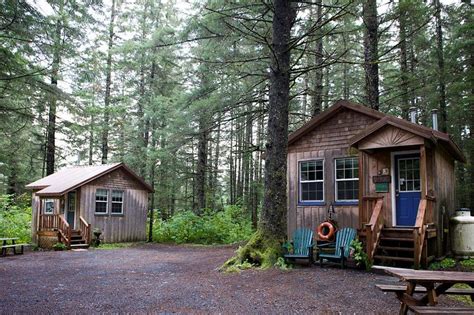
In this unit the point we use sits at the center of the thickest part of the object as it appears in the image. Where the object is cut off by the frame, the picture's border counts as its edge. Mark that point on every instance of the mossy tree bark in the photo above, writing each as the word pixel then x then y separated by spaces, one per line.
pixel 265 246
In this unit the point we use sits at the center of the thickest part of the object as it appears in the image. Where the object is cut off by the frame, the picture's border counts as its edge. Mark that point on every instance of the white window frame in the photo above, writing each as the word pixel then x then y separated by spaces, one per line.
pixel 419 170
pixel 106 202
pixel 300 193
pixel 46 201
pixel 120 202
pixel 344 179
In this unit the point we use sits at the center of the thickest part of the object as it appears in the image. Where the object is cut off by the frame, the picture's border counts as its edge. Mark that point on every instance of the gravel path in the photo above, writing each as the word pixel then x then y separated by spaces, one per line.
pixel 179 279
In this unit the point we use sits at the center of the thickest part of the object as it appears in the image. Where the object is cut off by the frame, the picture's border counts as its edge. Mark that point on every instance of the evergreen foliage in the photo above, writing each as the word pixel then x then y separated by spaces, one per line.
pixel 188 95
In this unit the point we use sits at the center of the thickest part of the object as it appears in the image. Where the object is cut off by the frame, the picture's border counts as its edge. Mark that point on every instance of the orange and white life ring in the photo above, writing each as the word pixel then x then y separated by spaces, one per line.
pixel 326 230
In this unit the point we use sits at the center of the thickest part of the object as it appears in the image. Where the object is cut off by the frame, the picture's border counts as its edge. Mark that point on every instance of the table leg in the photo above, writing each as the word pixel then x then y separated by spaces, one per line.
pixel 431 294
pixel 410 290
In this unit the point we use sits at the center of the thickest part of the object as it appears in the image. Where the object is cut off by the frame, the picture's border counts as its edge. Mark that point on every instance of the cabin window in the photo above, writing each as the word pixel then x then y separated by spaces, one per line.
pixel 311 180
pixel 49 206
pixel 117 202
pixel 347 179
pixel 101 201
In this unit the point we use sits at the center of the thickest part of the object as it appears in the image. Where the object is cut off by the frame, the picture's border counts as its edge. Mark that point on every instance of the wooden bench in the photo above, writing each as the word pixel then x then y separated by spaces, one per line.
pixel 441 310
pixel 403 288
pixel 14 247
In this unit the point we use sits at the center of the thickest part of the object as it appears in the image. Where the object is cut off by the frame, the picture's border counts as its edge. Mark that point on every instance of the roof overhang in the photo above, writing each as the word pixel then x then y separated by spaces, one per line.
pixel 67 189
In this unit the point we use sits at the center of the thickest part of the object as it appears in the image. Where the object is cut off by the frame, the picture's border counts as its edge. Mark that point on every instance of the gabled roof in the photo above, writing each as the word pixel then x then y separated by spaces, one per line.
pixel 434 136
pixel 383 120
pixel 71 178
pixel 330 112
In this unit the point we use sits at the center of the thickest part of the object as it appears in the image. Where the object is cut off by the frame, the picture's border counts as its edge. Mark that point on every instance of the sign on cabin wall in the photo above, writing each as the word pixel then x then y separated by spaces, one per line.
pixel 381 179
pixel 381 187
pixel 381 183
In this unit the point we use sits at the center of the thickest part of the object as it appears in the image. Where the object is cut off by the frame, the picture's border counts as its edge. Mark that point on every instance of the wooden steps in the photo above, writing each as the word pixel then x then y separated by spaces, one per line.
pixel 396 246
pixel 400 249
pixel 77 240
pixel 394 258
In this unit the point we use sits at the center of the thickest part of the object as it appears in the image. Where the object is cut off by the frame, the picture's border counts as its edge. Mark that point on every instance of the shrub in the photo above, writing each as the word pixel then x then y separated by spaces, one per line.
pixel 15 217
pixel 359 255
pixel 59 247
pixel 225 227
pixel 446 263
pixel 468 263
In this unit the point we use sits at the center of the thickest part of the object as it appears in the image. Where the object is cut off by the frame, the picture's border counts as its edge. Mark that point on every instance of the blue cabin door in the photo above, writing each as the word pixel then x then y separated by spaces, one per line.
pixel 71 209
pixel 408 188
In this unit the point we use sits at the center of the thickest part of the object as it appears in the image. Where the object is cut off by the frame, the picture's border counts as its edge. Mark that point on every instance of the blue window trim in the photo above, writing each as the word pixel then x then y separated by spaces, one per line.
pixel 311 203
pixel 346 203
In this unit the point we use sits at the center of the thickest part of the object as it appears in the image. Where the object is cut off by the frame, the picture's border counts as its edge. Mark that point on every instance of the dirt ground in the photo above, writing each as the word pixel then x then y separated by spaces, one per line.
pixel 180 279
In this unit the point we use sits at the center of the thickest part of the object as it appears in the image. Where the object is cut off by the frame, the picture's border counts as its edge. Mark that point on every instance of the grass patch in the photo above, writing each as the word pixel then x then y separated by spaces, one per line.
pixel 118 245
pixel 462 298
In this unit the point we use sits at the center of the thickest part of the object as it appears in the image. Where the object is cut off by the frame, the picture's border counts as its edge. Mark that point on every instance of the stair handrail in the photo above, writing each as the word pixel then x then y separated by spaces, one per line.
pixel 85 229
pixel 373 229
pixel 424 217
pixel 64 231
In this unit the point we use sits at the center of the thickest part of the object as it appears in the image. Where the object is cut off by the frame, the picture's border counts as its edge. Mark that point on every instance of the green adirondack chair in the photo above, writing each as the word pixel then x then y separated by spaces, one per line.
pixel 302 245
pixel 342 247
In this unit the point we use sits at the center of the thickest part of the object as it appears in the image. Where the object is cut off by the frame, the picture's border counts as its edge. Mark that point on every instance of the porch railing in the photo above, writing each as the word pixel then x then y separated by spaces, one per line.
pixel 373 229
pixel 85 229
pixel 367 207
pixel 48 222
pixel 424 218
pixel 64 231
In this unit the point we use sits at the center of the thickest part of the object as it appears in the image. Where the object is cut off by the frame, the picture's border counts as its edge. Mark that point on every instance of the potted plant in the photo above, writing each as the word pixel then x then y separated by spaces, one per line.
pixel 96 241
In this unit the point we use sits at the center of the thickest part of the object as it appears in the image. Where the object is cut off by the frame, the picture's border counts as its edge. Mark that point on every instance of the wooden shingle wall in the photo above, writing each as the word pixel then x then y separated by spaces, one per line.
pixel 328 141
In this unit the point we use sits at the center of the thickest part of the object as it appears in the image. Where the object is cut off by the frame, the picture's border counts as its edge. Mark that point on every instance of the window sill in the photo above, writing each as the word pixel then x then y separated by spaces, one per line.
pixel 346 203
pixel 117 214
pixel 311 203
pixel 101 214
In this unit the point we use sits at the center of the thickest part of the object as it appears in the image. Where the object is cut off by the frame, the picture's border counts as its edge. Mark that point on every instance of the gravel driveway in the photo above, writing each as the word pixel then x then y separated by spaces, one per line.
pixel 178 279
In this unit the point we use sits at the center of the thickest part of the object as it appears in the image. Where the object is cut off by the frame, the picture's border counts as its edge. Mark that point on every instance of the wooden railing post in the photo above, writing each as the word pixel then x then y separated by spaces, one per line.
pixel 374 228
pixel 85 229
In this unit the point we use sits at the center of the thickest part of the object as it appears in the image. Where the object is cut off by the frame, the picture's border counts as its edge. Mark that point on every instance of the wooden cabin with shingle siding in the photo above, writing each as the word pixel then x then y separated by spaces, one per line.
pixel 390 179
pixel 72 202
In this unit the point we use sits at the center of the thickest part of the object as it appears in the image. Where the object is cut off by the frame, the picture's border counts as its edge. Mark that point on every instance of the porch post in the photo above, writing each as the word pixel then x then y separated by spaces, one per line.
pixel 423 172
pixel 361 190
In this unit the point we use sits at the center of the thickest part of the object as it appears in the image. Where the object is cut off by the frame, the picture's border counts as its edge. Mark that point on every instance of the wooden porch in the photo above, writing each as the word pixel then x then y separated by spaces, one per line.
pixel 78 238
pixel 398 245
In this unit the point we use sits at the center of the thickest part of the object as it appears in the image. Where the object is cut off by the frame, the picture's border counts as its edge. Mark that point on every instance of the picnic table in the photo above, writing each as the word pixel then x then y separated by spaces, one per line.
pixel 431 284
pixel 12 240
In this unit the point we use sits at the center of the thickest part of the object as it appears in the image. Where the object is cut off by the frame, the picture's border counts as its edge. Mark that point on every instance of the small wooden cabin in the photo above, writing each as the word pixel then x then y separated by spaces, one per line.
pixel 69 204
pixel 391 179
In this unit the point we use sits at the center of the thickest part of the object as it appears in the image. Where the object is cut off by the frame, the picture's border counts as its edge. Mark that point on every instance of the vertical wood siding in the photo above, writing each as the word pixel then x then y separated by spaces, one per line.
pixel 444 183
pixel 129 227
pixel 35 202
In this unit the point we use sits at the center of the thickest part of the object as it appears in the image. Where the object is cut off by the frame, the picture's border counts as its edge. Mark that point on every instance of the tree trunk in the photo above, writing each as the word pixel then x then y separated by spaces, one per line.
pixel 201 167
pixel 265 245
pixel 51 130
pixel 108 86
pixel 371 54
pixel 91 140
pixel 318 62
pixel 402 12
pixel 442 85
pixel 345 70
